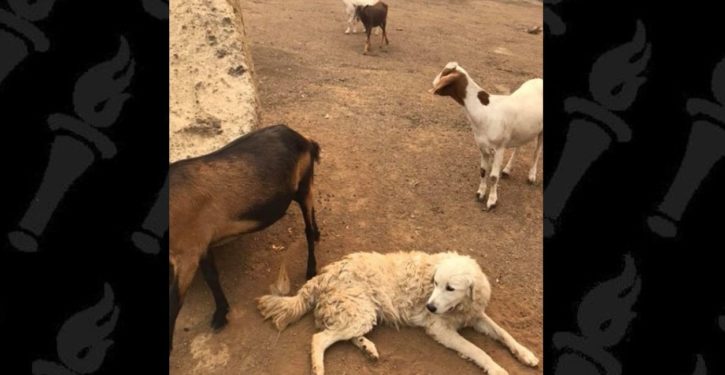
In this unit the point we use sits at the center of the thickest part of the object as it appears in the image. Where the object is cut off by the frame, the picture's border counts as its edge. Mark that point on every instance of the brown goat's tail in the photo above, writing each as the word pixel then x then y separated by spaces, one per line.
pixel 281 286
pixel 315 151
pixel 286 310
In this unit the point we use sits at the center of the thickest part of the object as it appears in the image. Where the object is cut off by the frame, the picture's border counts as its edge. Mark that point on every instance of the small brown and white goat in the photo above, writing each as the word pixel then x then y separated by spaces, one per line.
pixel 243 187
pixel 498 121
pixel 373 16
pixel 350 11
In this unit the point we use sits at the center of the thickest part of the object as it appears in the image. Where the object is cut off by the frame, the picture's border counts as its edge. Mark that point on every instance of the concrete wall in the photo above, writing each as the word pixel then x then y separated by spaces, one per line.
pixel 213 97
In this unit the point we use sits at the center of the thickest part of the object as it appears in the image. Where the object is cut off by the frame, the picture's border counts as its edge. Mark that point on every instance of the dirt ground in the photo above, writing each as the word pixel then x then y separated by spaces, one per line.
pixel 399 171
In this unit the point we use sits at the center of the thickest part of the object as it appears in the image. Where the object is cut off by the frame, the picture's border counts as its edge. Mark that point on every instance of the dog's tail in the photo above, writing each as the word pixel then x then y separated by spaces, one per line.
pixel 286 310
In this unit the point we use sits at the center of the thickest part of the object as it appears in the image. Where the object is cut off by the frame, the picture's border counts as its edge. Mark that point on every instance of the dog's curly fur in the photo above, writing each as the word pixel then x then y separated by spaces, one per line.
pixel 352 295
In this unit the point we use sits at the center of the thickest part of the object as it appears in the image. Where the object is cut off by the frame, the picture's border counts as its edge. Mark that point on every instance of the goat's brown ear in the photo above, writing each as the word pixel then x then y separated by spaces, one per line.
pixel 444 82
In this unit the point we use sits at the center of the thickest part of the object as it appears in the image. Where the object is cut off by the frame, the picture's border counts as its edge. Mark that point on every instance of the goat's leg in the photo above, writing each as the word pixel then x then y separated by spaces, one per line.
pixel 507 169
pixel 383 37
pixel 314 226
pixel 180 277
pixel 312 233
pixel 211 276
pixel 495 174
pixel 367 42
pixel 485 167
pixel 385 34
pixel 310 236
pixel 537 154
pixel 174 304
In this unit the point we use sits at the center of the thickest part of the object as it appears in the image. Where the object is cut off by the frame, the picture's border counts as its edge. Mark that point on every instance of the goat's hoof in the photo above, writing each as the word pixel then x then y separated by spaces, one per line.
pixel 219 320
pixel 480 196
pixel 505 173
pixel 531 181
pixel 489 206
pixel 311 275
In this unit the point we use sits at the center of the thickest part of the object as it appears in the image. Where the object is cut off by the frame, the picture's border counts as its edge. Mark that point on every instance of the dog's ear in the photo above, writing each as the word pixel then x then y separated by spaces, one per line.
pixel 442 88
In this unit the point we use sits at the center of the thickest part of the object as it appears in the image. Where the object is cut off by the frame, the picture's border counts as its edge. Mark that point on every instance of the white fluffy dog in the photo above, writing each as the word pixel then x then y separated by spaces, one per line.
pixel 441 292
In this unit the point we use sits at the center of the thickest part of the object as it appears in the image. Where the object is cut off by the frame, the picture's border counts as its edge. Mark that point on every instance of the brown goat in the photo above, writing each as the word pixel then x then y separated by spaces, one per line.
pixel 372 16
pixel 243 187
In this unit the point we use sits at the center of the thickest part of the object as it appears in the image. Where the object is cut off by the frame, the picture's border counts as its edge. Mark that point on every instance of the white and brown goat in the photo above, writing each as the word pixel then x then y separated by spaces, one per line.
pixel 498 122
pixel 350 11
pixel 243 187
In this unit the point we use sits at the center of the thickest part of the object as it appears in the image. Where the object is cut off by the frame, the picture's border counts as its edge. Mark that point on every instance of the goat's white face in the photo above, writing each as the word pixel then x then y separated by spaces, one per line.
pixel 452 284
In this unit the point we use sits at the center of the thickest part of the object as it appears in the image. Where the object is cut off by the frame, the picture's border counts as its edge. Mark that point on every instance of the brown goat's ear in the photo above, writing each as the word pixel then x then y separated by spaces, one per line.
pixel 483 97
pixel 444 82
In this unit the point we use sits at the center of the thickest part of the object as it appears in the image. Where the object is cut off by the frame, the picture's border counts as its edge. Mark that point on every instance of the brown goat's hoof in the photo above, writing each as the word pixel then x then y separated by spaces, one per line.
pixel 219 320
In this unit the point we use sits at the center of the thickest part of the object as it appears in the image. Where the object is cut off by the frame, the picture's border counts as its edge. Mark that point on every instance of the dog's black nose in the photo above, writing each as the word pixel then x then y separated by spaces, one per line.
pixel 431 307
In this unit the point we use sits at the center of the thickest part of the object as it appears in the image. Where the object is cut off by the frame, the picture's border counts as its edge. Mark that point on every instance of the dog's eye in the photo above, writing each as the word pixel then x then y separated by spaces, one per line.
pixel 448 288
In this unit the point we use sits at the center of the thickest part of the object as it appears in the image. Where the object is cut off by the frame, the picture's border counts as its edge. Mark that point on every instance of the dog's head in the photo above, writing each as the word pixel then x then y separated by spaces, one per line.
pixel 457 281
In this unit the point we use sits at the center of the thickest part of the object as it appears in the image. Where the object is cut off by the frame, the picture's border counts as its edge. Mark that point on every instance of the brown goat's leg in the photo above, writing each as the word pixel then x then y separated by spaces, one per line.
pixel 306 207
pixel 174 304
pixel 382 36
pixel 367 41
pixel 315 227
pixel 306 202
pixel 180 277
pixel 211 276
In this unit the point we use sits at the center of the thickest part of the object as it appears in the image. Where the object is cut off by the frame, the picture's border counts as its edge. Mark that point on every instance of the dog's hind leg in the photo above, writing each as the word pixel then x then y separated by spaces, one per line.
pixel 321 341
pixel 354 318
pixel 367 346
pixel 487 326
